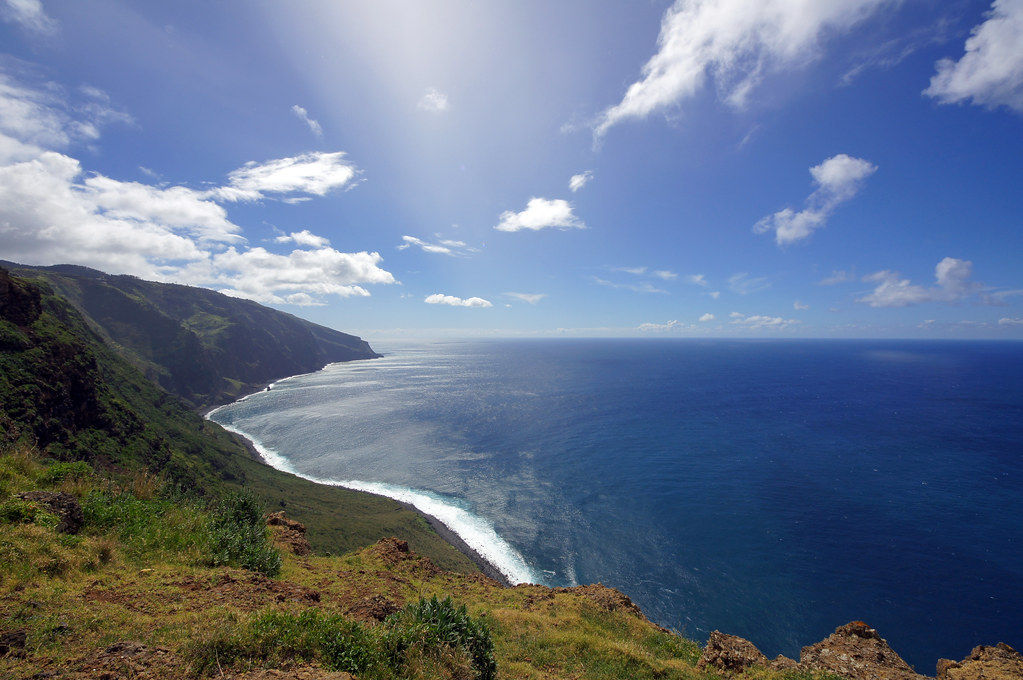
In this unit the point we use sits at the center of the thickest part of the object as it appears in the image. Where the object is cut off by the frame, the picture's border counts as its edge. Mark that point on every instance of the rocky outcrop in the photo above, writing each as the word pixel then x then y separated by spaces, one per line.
pixel 730 653
pixel 289 534
pixel 606 598
pixel 63 505
pixel 19 304
pixel 1000 662
pixel 856 651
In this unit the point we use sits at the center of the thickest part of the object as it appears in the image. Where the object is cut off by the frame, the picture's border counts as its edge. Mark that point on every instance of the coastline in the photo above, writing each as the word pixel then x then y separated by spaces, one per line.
pixel 486 567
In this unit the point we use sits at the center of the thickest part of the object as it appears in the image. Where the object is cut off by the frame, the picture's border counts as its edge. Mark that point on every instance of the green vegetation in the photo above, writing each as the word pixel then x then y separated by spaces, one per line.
pixel 423 634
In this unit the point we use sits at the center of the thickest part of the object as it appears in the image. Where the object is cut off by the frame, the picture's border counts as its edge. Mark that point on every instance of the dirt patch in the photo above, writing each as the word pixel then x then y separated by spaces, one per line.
pixel 372 608
pixel 246 590
pixel 288 534
pixel 296 673
pixel 127 659
pixel 395 552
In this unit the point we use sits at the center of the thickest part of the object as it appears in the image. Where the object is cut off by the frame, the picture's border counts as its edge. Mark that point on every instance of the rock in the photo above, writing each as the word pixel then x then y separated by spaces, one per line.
pixel 63 505
pixel 289 533
pixel 1000 662
pixel 12 641
pixel 783 663
pixel 395 552
pixel 730 653
pixel 856 651
pixel 606 598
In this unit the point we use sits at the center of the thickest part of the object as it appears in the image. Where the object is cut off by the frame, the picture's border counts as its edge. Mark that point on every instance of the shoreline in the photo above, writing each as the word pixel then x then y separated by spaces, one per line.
pixel 446 533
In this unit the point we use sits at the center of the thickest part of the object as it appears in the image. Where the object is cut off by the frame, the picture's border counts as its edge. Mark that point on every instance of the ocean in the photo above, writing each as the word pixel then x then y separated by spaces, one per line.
pixel 769 489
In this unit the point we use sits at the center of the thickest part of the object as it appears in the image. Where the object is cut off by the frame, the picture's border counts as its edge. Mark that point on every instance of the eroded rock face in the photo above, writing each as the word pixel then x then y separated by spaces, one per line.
pixel 730 653
pixel 63 505
pixel 606 598
pixel 856 651
pixel 1000 662
pixel 289 533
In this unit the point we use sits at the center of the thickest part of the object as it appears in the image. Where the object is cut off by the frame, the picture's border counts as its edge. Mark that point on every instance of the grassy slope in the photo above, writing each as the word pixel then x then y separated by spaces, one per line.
pixel 63 388
pixel 145 582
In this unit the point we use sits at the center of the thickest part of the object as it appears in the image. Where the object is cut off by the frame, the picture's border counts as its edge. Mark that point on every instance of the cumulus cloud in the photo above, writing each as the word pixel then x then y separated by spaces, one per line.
pixel 952 283
pixel 303 115
pixel 761 322
pixel 577 182
pixel 734 42
pixel 541 213
pixel 990 73
pixel 1009 321
pixel 434 101
pixel 29 14
pixel 531 298
pixel 838 179
pixel 441 299
pixel 304 238
pixel 707 317
pixel 799 306
pixel 52 211
pixel 309 174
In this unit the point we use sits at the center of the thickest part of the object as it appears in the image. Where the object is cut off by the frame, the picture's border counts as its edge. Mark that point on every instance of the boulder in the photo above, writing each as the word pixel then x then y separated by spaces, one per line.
pixel 856 651
pixel 1000 662
pixel 63 505
pixel 730 653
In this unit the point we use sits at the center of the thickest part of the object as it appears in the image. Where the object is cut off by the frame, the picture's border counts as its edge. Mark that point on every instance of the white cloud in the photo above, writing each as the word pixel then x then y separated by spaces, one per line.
pixel 672 325
pixel 715 294
pixel 735 42
pixel 541 213
pixel 952 279
pixel 991 72
pixel 664 274
pixel 29 14
pixel 577 182
pixel 442 247
pixel 638 271
pixel 799 306
pixel 707 317
pixel 644 287
pixel 837 276
pixel 304 238
pixel 744 284
pixel 697 280
pixel 441 299
pixel 1009 321
pixel 311 174
pixel 838 179
pixel 762 322
pixel 303 115
pixel 434 101
pixel 53 212
pixel 531 298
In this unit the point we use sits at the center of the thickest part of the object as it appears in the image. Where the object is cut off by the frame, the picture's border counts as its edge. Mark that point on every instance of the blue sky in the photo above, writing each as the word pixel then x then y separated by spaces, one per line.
pixel 789 168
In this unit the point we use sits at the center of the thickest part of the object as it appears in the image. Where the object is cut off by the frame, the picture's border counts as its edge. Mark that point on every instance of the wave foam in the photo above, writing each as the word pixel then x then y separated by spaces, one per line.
pixel 477 532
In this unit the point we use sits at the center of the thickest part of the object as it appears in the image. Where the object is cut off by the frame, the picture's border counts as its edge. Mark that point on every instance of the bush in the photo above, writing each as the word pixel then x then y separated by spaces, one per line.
pixel 17 511
pixel 438 624
pixel 238 536
pixel 59 472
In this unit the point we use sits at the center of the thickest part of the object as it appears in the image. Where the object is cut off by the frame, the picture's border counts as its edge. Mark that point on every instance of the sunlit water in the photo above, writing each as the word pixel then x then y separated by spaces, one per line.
pixel 773 490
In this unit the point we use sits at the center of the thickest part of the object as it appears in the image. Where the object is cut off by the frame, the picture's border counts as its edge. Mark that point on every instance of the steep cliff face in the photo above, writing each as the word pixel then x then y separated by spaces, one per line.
pixel 205 347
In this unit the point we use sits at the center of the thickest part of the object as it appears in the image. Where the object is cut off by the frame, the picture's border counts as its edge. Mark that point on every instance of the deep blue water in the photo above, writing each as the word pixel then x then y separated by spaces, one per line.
pixel 773 490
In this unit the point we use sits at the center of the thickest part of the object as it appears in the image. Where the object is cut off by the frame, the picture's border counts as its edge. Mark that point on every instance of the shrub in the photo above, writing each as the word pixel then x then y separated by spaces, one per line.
pixel 17 511
pixel 59 472
pixel 433 624
pixel 238 536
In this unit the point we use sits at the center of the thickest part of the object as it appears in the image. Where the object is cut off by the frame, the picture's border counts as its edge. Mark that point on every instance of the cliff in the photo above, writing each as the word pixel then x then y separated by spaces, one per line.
pixel 204 347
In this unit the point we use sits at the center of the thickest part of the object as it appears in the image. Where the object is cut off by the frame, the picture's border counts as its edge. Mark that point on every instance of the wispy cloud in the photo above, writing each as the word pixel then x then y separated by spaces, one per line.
pixel 577 182
pixel 530 298
pixel 434 101
pixel 706 317
pixel 799 306
pixel 744 284
pixel 442 247
pixel 761 321
pixel 299 177
pixel 837 276
pixel 29 14
pixel 952 279
pixel 303 115
pixel 838 179
pixel 643 287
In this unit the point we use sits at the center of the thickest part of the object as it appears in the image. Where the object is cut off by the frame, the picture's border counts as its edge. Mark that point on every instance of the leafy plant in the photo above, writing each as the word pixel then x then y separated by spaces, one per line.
pixel 434 624
pixel 238 536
